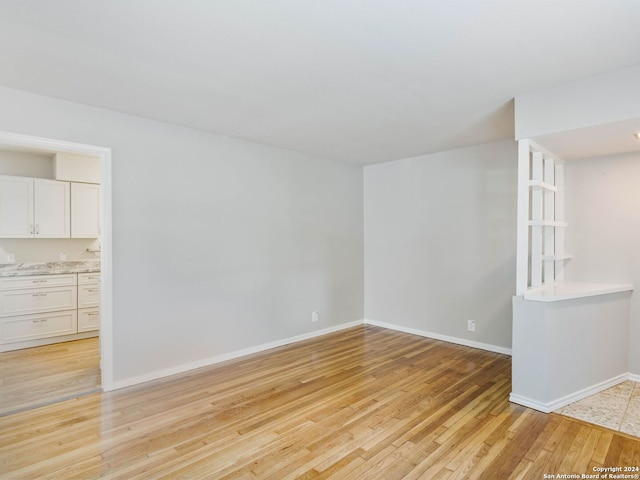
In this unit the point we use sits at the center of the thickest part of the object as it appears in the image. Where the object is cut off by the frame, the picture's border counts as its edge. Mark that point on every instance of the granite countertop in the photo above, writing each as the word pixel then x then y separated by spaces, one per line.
pixel 50 268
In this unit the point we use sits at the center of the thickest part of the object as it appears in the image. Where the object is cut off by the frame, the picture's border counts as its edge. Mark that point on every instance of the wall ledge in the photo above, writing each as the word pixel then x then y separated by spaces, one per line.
pixel 567 290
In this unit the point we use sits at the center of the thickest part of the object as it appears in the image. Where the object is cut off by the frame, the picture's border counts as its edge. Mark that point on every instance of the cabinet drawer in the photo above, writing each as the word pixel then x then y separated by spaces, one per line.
pixel 22 302
pixel 84 278
pixel 88 319
pixel 37 281
pixel 31 327
pixel 88 295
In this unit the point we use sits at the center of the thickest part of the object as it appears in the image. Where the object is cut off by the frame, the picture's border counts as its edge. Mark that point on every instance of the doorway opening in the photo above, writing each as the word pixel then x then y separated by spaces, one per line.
pixel 84 348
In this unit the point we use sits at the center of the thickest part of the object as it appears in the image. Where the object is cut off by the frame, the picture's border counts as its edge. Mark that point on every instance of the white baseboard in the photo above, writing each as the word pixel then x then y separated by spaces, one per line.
pixel 166 372
pixel 571 398
pixel 634 377
pixel 205 362
pixel 444 338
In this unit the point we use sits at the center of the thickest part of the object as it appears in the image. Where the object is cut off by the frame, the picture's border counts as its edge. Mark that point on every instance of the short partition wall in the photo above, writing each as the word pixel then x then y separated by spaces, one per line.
pixel 570 339
pixel 566 350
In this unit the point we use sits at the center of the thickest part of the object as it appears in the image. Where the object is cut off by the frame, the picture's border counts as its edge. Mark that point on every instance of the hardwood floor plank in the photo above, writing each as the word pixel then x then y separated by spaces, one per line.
pixel 525 434
pixel 42 375
pixel 544 438
pixel 539 467
pixel 627 453
pixel 615 451
pixel 364 403
pixel 563 445
pixel 584 458
pixel 575 449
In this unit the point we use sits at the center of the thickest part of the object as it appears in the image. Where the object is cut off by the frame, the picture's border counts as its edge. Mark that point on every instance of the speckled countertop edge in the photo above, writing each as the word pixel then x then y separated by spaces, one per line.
pixel 50 268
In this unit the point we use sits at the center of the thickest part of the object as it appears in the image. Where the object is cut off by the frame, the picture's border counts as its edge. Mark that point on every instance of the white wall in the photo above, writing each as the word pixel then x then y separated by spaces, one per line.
pixel 440 243
pixel 27 164
pixel 218 244
pixel 596 100
pixel 603 213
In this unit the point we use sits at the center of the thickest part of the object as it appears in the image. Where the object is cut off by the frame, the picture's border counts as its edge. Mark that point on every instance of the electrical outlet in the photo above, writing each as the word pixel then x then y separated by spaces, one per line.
pixel 471 325
pixel 11 258
pixel 63 256
pixel 314 316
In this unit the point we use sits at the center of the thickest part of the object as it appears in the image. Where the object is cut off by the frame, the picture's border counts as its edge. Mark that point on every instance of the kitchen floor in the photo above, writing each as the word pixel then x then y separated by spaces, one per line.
pixel 37 376
pixel 617 408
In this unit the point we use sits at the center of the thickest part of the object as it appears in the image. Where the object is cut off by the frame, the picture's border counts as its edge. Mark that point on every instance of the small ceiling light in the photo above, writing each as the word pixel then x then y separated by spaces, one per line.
pixel 637 135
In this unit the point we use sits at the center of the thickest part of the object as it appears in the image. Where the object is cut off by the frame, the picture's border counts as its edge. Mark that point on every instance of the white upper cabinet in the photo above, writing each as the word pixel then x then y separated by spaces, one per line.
pixel 85 210
pixel 34 208
pixel 51 208
pixel 16 207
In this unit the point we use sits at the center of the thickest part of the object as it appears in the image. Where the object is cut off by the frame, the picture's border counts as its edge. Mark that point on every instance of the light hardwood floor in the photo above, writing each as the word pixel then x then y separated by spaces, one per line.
pixel 364 403
pixel 42 375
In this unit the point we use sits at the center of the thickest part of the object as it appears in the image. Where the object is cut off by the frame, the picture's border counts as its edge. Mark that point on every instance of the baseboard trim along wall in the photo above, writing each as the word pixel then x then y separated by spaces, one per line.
pixel 574 397
pixel 634 378
pixel 444 338
pixel 157 374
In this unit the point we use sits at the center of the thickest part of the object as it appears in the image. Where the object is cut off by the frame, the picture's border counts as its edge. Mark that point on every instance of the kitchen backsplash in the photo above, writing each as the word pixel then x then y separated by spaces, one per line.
pixel 48 249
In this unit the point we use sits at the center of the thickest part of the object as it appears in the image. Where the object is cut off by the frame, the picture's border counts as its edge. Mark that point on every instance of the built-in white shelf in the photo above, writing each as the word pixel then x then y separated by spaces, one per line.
pixel 548 310
pixel 547 223
pixel 543 185
pixel 557 257
pixel 566 290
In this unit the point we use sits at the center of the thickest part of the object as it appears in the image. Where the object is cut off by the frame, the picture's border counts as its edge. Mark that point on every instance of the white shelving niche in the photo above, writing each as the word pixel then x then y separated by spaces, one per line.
pixel 541 225
pixel 549 370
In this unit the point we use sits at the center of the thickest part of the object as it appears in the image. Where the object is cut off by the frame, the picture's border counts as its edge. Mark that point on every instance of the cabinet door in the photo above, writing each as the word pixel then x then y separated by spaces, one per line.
pixel 88 319
pixel 50 299
pixel 16 207
pixel 88 295
pixel 85 210
pixel 84 278
pixel 52 208
pixel 38 281
pixel 31 327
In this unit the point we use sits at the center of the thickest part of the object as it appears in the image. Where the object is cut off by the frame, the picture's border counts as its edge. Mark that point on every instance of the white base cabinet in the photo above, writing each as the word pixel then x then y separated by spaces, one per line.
pixel 88 295
pixel 22 302
pixel 88 302
pixel 88 319
pixel 32 327
pixel 36 310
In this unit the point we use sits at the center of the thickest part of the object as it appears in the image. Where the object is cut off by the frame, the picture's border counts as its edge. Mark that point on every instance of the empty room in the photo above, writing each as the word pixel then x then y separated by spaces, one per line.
pixel 295 239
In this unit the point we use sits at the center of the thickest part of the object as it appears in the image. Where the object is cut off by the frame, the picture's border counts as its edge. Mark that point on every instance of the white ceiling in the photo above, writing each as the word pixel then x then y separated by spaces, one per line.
pixel 362 81
pixel 596 141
